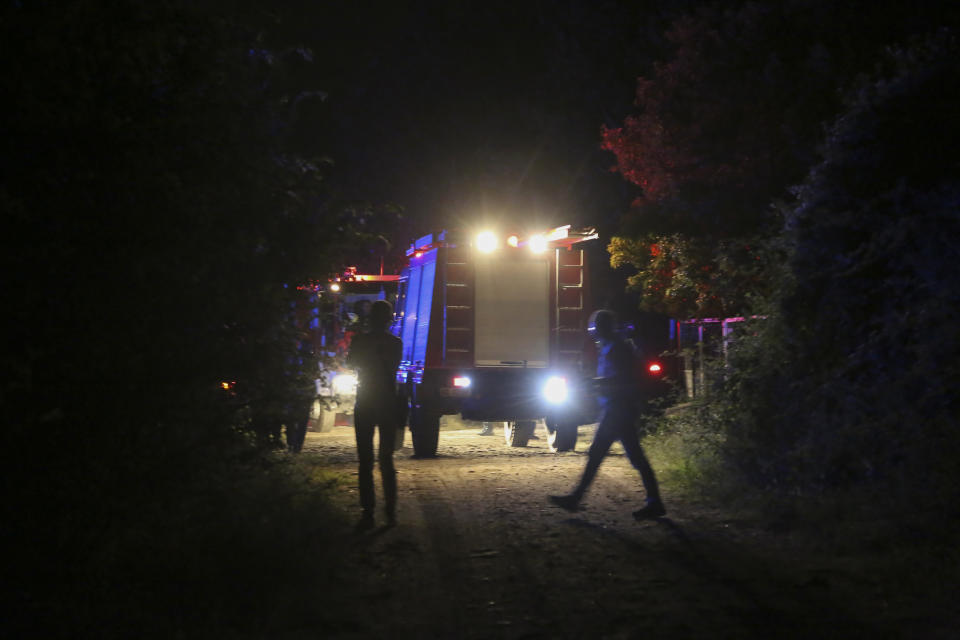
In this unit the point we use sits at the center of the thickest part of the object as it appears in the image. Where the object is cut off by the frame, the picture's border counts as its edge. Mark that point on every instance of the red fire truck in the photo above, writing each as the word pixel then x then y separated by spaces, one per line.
pixel 493 329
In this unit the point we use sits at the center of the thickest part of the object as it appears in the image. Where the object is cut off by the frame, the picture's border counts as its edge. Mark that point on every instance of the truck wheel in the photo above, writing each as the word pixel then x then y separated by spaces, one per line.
pixel 313 418
pixel 328 418
pixel 425 431
pixel 518 433
pixel 561 436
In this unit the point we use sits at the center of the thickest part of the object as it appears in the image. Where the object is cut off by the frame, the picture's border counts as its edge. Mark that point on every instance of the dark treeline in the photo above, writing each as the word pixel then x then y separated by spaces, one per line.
pixel 793 160
pixel 154 229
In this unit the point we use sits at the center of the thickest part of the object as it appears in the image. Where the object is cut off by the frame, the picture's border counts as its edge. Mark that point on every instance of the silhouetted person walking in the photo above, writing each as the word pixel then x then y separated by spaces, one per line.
pixel 376 356
pixel 618 400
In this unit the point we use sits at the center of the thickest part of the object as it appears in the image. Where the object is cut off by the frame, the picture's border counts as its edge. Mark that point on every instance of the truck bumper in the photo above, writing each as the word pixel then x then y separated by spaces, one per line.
pixel 517 394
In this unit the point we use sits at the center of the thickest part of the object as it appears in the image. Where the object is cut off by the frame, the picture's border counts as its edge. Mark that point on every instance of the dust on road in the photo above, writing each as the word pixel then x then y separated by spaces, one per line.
pixel 479 553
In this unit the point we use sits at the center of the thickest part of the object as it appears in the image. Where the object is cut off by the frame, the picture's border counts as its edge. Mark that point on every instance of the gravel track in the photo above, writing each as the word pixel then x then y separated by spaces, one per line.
pixel 479 553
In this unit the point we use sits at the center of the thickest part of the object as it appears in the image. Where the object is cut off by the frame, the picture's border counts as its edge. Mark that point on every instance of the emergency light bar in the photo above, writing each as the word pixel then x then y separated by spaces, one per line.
pixel 488 241
pixel 350 275
pixel 426 243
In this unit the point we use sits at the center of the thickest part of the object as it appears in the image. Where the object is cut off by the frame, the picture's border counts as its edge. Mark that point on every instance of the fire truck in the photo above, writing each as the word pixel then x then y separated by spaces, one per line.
pixel 336 312
pixel 493 329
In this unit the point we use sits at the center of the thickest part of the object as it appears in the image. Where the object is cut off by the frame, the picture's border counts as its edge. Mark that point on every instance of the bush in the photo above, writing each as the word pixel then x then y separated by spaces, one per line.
pixel 154 227
pixel 850 382
pixel 247 553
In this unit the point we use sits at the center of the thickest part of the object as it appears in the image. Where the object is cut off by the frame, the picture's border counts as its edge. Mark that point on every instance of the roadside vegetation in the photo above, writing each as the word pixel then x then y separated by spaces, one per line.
pixel 847 381
pixel 156 225
pixel 243 552
pixel 833 417
pixel 827 209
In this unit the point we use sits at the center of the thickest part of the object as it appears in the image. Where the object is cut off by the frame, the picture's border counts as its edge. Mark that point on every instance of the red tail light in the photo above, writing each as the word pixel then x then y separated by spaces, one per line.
pixel 655 368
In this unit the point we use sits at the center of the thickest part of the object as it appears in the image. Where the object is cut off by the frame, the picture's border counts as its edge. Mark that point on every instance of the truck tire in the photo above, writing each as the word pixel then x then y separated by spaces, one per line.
pixel 561 436
pixel 517 433
pixel 424 431
pixel 328 418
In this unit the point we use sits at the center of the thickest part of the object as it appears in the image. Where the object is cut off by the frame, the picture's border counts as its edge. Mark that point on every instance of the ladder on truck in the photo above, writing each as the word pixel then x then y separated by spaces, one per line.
pixel 458 303
pixel 570 276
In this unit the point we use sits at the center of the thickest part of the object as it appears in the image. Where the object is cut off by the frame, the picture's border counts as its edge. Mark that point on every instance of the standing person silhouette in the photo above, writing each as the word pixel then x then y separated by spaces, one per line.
pixel 376 356
pixel 618 402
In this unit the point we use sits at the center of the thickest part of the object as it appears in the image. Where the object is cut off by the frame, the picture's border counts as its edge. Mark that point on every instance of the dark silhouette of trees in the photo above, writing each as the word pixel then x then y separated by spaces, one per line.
pixel 154 229
pixel 723 127
pixel 849 382
pixel 873 244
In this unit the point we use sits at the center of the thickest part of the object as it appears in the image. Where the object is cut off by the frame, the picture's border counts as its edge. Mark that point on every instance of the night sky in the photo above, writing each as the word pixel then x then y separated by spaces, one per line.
pixel 474 111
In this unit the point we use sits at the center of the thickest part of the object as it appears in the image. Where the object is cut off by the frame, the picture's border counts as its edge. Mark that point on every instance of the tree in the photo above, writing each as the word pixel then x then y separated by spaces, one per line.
pixel 154 226
pixel 724 127
pixel 851 380
pixel 874 237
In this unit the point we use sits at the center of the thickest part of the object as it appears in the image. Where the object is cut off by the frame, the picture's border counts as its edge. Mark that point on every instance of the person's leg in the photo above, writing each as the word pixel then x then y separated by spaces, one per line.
pixel 631 444
pixel 602 439
pixel 363 427
pixel 388 473
pixel 637 457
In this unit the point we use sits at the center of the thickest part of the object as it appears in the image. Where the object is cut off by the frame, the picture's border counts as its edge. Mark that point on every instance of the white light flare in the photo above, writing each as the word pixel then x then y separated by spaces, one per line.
pixel 538 243
pixel 345 384
pixel 555 389
pixel 486 242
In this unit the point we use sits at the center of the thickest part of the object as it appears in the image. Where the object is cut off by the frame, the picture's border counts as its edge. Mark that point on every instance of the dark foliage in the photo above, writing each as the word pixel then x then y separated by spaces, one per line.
pixel 153 231
pixel 853 380
pixel 724 125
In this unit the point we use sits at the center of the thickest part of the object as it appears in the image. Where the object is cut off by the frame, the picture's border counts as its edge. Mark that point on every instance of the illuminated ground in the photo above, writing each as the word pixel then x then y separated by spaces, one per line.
pixel 479 553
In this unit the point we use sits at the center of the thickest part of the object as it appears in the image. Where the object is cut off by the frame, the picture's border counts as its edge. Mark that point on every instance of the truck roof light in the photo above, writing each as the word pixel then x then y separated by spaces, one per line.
pixel 486 242
pixel 538 243
pixel 559 233
pixel 513 241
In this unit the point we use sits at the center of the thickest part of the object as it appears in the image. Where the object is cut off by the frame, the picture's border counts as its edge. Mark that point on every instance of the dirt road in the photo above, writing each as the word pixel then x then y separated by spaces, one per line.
pixel 479 553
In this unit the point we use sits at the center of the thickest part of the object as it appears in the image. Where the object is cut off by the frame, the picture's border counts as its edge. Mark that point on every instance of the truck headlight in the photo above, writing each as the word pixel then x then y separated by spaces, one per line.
pixel 538 243
pixel 345 384
pixel 555 389
pixel 486 242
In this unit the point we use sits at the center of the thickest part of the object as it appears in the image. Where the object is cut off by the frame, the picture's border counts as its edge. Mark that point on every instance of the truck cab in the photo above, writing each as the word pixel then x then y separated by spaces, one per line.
pixel 493 329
